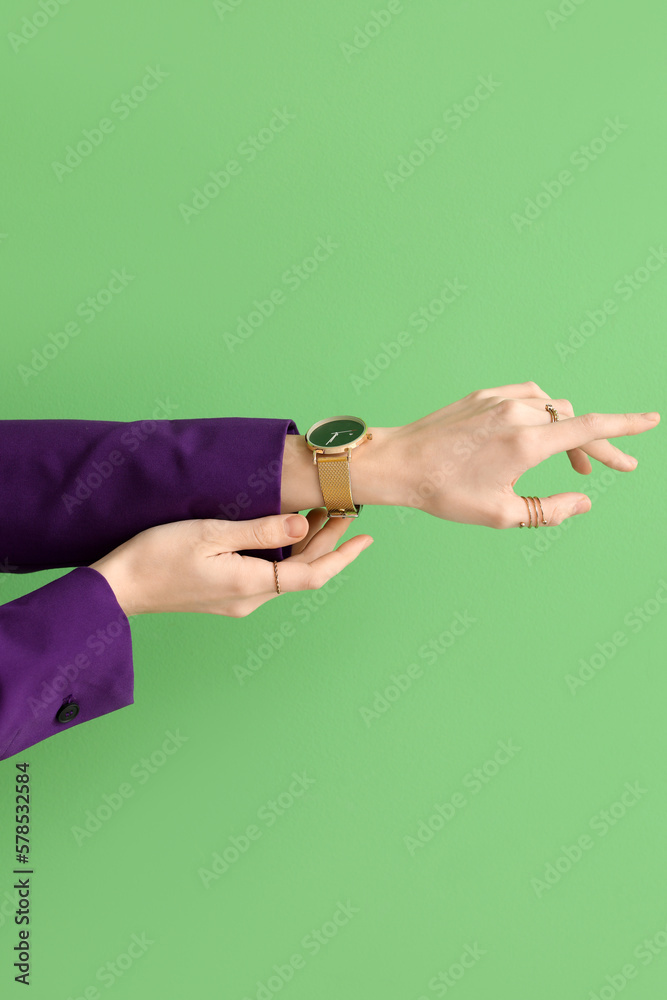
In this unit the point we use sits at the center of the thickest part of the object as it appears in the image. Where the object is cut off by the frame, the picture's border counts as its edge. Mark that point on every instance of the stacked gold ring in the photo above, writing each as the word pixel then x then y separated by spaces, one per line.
pixel 553 412
pixel 275 573
pixel 536 501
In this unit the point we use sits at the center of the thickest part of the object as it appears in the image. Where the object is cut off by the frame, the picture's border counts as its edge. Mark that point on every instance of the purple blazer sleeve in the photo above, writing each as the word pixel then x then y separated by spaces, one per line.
pixel 72 490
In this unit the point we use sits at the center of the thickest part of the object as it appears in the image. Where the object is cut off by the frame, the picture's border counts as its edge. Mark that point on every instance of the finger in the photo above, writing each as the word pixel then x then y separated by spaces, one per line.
pixel 607 453
pixel 563 407
pixel 316 519
pixel 589 430
pixel 602 451
pixel 579 461
pixel 555 508
pixel 269 532
pixel 325 539
pixel 295 575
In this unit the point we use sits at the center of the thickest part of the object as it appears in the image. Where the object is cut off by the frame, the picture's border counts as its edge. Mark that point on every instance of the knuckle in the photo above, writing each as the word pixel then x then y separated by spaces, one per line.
pixel 508 408
pixel 209 529
pixel 262 533
pixel 533 387
pixel 475 394
pixel 566 406
pixel 558 515
pixel 591 421
pixel 315 580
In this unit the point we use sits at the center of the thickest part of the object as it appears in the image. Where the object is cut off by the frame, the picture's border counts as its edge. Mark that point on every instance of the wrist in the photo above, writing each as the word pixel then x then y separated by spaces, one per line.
pixel 378 472
pixel 112 569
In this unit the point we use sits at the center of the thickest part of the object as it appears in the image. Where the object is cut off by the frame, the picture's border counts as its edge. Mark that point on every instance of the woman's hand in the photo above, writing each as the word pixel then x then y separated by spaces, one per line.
pixel 463 461
pixel 195 566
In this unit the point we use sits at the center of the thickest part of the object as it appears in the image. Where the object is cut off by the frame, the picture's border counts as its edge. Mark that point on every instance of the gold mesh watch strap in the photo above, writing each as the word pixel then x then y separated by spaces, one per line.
pixel 334 473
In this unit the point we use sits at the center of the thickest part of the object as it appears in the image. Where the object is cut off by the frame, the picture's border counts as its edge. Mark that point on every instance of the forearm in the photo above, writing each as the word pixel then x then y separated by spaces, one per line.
pixel 378 472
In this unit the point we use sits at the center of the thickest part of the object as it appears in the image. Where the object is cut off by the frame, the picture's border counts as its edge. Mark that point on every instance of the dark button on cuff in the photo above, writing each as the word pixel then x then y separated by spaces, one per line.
pixel 68 712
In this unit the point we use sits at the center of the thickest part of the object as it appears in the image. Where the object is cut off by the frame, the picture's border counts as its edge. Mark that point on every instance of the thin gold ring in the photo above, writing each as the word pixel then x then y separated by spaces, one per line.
pixel 275 573
pixel 522 524
pixel 535 511
pixel 553 412
pixel 541 510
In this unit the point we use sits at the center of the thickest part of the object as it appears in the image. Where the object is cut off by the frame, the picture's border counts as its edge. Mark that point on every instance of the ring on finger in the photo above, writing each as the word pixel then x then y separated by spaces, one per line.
pixel 536 502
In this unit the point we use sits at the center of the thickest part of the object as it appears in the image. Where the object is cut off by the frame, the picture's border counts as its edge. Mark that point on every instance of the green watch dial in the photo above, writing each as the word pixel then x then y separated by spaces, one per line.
pixel 338 432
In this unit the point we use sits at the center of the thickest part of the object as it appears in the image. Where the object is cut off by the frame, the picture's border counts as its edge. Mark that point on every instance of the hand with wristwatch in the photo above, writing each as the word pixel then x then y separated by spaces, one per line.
pixel 459 463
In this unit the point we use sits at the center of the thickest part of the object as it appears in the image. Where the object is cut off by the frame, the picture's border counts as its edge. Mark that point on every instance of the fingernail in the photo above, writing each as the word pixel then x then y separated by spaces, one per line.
pixel 367 544
pixel 582 506
pixel 650 416
pixel 294 525
pixel 630 462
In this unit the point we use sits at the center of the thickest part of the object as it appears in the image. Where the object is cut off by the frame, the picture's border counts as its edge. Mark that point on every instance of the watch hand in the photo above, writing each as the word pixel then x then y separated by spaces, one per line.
pixel 335 434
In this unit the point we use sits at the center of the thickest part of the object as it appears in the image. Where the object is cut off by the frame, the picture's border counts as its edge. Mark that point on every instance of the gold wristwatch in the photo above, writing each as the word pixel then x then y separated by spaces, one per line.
pixel 331 442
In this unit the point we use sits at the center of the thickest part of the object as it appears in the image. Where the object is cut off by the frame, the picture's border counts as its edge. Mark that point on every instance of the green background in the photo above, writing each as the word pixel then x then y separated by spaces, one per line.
pixel 541 601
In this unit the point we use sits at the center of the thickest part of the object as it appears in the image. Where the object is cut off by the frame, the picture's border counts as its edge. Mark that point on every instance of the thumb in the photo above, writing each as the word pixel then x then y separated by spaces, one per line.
pixel 270 532
pixel 557 508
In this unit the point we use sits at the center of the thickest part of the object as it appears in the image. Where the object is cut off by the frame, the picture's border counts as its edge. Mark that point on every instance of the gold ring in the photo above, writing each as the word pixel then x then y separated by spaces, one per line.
pixel 541 510
pixel 522 524
pixel 553 412
pixel 536 501
pixel 275 573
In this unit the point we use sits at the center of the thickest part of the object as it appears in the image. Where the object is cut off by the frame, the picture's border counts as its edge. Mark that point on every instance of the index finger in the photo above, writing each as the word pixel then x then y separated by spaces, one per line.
pixel 574 432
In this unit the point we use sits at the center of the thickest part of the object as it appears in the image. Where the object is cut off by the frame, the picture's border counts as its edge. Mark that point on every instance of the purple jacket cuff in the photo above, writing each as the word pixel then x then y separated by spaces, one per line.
pixel 66 658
